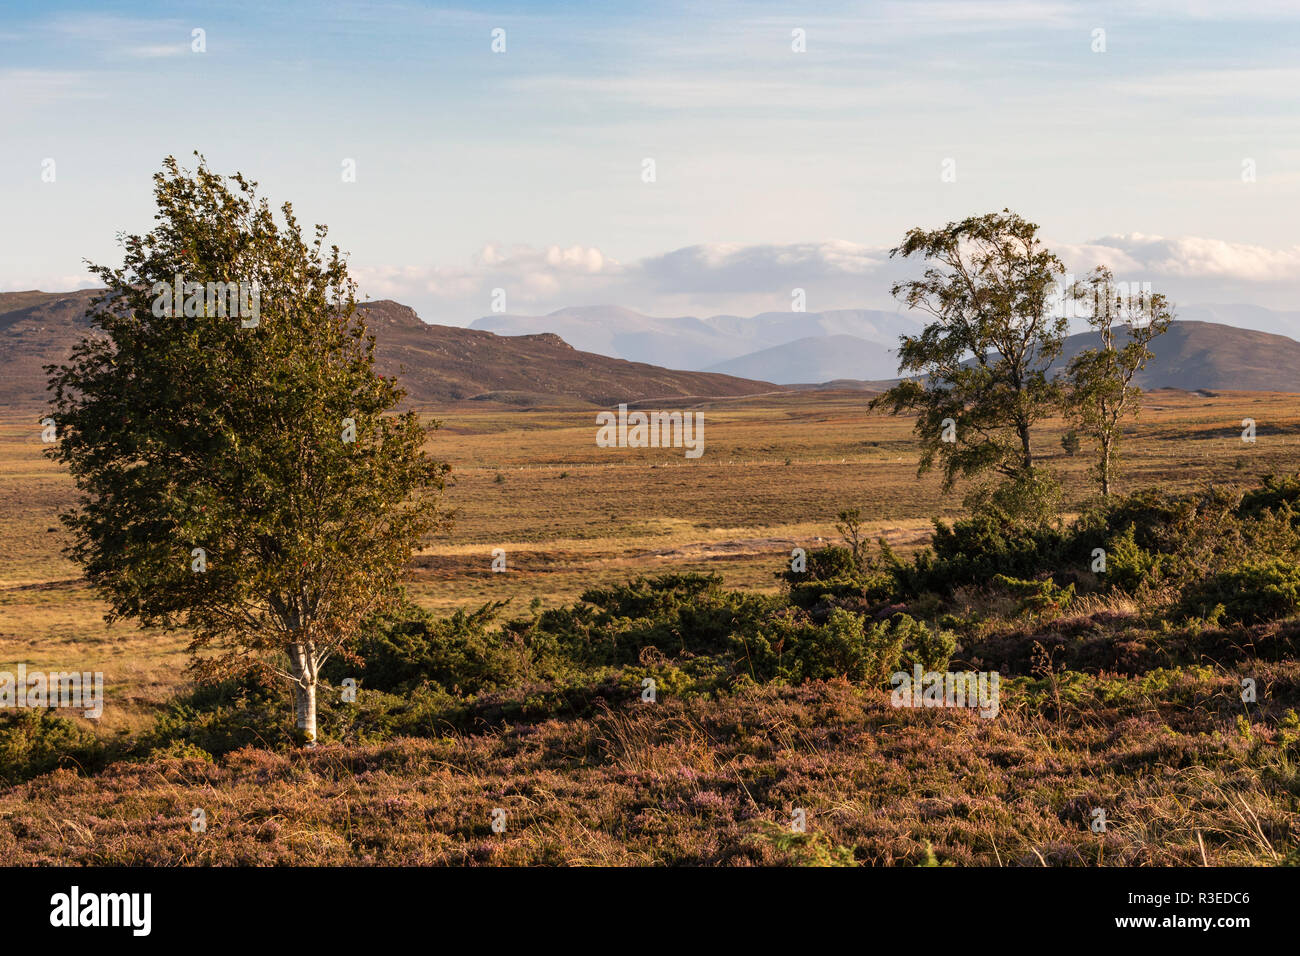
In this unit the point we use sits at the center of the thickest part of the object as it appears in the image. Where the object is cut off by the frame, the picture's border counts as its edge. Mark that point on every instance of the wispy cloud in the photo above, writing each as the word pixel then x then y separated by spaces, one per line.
pixel 739 278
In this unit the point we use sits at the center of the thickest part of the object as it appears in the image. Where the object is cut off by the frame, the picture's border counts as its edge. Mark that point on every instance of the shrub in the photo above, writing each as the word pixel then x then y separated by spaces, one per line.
pixel 973 550
pixel 932 648
pixel 1278 495
pixel 835 574
pixel 1249 593
pixel 1128 565
pixel 792 647
pixel 33 742
pixel 412 647
pixel 1037 596
pixel 674 615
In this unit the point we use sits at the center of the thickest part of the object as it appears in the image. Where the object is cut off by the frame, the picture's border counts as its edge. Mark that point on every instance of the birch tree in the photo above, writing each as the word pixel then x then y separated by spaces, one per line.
pixel 1099 381
pixel 242 477
pixel 980 364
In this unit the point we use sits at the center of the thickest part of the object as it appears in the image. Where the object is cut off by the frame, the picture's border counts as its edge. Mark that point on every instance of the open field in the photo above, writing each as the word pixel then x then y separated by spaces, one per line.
pixel 695 781
pixel 570 515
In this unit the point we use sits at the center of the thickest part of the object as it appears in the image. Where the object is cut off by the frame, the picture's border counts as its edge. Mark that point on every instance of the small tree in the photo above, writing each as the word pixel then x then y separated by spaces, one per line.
pixel 849 525
pixel 240 475
pixel 1099 381
pixel 983 361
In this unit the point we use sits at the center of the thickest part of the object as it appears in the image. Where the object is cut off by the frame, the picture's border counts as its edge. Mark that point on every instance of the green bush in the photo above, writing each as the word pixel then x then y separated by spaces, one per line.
pixel 1249 593
pixel 220 717
pixel 412 647
pixel 33 742
pixel 833 575
pixel 792 647
pixel 672 615
pixel 1128 565
pixel 1274 494
pixel 1035 596
pixel 932 648
pixel 973 550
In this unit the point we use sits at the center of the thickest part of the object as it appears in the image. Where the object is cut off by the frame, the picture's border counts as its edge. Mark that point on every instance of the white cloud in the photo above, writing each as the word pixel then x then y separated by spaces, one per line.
pixel 532 277
pixel 1194 258
pixel 744 279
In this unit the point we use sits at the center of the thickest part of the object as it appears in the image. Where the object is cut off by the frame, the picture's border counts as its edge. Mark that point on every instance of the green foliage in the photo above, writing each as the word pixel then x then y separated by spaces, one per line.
pixel 982 363
pixel 836 574
pixel 1128 566
pixel 804 849
pixel 973 550
pixel 1249 593
pixel 34 741
pixel 1099 381
pixel 266 451
pixel 410 647
pixel 1035 596
pixel 1280 495
pixel 1029 498
pixel 930 647
pixel 794 648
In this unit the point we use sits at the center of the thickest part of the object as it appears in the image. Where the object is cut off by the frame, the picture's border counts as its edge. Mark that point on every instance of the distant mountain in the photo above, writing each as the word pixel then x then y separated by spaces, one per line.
pixel 1241 316
pixel 1191 355
pixel 815 359
pixel 436 363
pixel 859 344
pixel 695 343
pixel 439 363
pixel 1194 355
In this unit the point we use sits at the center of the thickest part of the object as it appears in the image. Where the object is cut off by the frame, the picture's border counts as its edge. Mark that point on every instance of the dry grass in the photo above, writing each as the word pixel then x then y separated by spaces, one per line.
pixel 693 781
pixel 683 781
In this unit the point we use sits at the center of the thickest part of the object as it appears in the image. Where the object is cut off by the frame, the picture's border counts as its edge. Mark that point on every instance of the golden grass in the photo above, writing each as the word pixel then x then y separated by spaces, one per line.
pixel 571 515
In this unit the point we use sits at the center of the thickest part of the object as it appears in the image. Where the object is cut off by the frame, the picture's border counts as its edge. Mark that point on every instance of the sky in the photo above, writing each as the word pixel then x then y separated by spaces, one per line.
pixel 1166 146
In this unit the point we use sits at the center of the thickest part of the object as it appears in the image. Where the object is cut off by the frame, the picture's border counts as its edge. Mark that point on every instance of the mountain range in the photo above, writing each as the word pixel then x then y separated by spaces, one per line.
pixel 792 348
pixel 436 363
pixel 439 364
pixel 782 347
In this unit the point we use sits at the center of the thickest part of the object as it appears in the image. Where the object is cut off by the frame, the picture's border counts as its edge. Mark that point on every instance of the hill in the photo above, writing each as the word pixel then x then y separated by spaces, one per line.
pixel 703 343
pixel 815 359
pixel 1194 355
pixel 1242 347
pixel 1191 355
pixel 437 363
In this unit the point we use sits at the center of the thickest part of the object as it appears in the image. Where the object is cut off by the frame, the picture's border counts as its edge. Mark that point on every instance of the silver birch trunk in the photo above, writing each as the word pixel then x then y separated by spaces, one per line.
pixel 304 692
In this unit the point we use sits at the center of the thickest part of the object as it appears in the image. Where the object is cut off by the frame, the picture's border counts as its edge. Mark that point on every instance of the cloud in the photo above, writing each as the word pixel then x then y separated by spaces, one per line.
pixel 1193 258
pixel 733 267
pixel 533 278
pixel 157 50
pixel 744 279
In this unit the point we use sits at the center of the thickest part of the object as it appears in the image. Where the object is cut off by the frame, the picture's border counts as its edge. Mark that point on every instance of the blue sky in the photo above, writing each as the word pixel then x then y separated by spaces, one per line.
pixel 523 170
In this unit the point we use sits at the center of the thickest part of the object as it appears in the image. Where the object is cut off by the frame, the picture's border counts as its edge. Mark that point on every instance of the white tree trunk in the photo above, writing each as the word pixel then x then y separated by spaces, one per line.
pixel 304 692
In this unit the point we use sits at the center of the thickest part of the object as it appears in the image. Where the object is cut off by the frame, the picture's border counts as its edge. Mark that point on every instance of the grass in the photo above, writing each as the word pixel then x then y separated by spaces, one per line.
pixel 1131 725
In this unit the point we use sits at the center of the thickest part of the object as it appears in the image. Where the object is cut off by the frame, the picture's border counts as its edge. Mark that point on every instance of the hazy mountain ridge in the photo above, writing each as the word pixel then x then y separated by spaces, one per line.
pixel 816 359
pixel 436 363
pixel 699 343
pixel 440 364
pixel 861 344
